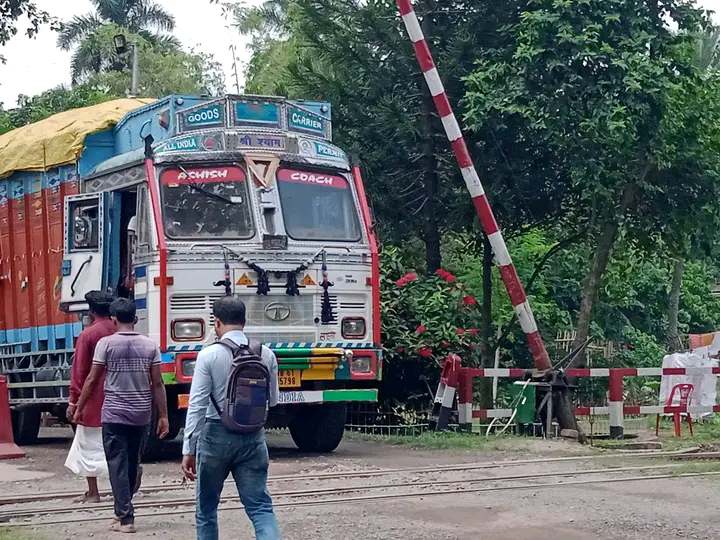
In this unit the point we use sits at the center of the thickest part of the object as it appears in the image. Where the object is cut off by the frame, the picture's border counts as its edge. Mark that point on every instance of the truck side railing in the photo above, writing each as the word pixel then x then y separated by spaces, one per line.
pixel 38 377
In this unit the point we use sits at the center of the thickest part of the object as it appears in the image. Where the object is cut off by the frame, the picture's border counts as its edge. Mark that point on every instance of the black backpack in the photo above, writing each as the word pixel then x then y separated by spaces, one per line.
pixel 248 389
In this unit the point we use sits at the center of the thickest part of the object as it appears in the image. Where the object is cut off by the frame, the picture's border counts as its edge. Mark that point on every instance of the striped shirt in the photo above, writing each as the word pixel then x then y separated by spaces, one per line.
pixel 128 358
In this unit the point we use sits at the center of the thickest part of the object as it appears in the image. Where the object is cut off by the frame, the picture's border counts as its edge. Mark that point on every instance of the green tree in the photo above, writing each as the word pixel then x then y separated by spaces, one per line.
pixel 161 71
pixel 611 90
pixel 142 17
pixel 699 237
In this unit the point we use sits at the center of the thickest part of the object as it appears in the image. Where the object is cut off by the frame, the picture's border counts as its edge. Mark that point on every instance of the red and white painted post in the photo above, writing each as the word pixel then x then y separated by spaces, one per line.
pixel 474 186
pixel 616 404
pixel 465 399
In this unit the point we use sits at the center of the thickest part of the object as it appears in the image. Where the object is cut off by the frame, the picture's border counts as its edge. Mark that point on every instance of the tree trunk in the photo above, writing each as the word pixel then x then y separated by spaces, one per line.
pixel 673 336
pixel 486 350
pixel 600 260
pixel 592 286
pixel 431 232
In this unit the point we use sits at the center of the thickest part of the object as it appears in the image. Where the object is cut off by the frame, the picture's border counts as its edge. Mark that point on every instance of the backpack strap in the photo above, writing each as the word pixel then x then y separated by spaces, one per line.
pixel 255 347
pixel 234 348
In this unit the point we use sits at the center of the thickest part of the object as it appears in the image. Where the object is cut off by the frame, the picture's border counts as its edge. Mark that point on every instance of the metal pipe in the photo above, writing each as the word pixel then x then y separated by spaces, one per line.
pixel 135 70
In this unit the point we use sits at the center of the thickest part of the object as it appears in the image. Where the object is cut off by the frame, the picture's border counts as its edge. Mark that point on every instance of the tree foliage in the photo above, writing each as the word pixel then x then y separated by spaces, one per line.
pixel 162 72
pixel 356 55
pixel 13 10
pixel 611 90
pixel 88 33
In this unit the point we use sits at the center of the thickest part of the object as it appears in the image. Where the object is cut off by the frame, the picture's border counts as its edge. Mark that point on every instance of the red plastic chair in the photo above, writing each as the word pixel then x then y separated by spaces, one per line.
pixel 685 390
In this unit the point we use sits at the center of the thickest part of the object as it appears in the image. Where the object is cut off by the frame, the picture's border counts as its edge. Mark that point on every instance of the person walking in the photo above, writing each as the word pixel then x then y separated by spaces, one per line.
pixel 212 450
pixel 133 382
pixel 87 456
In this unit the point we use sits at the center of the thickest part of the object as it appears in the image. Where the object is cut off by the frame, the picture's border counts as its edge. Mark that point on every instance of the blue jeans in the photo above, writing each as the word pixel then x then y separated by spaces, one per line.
pixel 245 456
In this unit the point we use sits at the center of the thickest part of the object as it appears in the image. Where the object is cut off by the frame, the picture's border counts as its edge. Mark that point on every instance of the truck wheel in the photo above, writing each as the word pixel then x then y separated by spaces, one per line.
pixel 320 428
pixel 26 424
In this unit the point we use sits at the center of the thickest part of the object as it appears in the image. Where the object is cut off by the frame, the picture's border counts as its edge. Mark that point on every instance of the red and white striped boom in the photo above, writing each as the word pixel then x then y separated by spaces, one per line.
pixel 474 185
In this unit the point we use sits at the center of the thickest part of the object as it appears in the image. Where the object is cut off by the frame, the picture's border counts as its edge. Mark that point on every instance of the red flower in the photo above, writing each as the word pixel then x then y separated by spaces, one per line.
pixel 470 300
pixel 425 352
pixel 407 278
pixel 473 331
pixel 421 329
pixel 445 275
pixel 445 344
pixel 460 331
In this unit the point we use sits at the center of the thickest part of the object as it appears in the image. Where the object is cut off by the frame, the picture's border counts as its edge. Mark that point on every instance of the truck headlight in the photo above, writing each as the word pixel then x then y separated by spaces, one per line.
pixel 353 327
pixel 188 367
pixel 360 364
pixel 188 329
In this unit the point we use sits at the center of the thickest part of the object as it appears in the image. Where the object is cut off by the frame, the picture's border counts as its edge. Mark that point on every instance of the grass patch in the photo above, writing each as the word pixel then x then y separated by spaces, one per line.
pixel 16 534
pixel 706 433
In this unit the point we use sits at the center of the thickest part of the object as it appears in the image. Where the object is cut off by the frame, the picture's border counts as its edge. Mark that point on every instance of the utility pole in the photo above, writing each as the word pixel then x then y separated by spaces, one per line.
pixel 237 79
pixel 135 70
pixel 121 47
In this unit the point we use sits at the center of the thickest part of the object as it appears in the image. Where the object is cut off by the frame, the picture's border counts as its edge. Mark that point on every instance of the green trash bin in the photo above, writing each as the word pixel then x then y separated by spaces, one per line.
pixel 524 397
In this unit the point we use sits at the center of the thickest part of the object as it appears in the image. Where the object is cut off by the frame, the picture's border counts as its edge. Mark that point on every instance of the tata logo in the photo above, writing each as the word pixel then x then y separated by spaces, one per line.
pixel 277 311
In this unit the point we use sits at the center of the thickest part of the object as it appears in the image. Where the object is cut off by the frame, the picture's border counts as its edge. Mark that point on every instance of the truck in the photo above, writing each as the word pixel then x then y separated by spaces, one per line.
pixel 174 203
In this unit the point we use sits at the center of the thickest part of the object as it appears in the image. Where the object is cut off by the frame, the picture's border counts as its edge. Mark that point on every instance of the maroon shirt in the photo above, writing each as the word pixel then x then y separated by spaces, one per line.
pixel 82 362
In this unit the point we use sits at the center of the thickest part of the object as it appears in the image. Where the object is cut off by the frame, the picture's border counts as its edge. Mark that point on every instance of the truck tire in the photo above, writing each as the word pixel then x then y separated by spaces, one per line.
pixel 319 428
pixel 26 424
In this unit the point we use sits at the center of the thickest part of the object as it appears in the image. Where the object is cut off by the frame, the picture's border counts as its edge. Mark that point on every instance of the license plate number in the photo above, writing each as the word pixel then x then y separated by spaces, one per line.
pixel 289 378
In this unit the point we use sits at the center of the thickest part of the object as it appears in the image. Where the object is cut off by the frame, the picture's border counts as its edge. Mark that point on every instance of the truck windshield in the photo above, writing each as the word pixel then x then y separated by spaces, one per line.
pixel 317 206
pixel 206 202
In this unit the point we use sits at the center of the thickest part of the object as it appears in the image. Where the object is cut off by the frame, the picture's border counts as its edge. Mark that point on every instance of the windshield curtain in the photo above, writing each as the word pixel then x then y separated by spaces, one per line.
pixel 206 202
pixel 317 206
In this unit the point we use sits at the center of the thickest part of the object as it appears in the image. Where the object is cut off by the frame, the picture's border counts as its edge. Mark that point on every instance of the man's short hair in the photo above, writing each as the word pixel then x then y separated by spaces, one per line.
pixel 123 310
pixel 99 302
pixel 230 310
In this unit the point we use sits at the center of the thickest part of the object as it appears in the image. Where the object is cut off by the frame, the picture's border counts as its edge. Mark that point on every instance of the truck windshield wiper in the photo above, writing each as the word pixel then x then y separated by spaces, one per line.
pixel 210 194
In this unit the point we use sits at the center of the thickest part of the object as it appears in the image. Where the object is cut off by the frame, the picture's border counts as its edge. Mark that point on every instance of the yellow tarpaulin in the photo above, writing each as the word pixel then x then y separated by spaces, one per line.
pixel 58 140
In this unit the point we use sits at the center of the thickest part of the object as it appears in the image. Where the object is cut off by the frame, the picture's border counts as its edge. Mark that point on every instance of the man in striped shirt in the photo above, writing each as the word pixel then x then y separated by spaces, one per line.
pixel 131 365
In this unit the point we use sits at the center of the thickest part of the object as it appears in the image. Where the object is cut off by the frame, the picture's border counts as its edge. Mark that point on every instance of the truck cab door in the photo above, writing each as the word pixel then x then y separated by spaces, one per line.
pixel 83 262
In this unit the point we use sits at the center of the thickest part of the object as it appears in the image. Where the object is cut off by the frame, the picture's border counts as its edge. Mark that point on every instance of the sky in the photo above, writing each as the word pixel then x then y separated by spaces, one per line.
pixel 35 65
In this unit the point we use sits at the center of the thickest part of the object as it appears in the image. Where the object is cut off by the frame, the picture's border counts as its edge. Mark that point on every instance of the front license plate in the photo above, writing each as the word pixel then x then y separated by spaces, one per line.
pixel 289 378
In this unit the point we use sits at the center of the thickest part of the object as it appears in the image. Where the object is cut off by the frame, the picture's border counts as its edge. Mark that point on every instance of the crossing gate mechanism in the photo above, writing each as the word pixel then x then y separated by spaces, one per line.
pixel 458 381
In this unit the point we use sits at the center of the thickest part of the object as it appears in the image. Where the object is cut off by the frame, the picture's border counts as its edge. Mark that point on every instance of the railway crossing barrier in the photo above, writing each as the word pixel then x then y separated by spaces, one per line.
pixel 8 448
pixel 446 392
pixel 616 408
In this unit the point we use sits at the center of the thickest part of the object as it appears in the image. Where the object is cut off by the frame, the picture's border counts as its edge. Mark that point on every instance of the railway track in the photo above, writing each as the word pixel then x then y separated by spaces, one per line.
pixel 399 489
pixel 178 486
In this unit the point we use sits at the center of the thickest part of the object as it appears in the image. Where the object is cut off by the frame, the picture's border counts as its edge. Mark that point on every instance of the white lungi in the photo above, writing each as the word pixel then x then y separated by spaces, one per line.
pixel 87 454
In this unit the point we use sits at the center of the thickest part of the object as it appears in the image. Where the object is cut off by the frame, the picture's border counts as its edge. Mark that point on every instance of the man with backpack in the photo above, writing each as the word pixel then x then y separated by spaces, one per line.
pixel 234 383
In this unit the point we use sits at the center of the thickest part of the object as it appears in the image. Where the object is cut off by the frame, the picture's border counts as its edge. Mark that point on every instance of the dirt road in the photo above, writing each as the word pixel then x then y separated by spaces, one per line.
pixel 650 509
